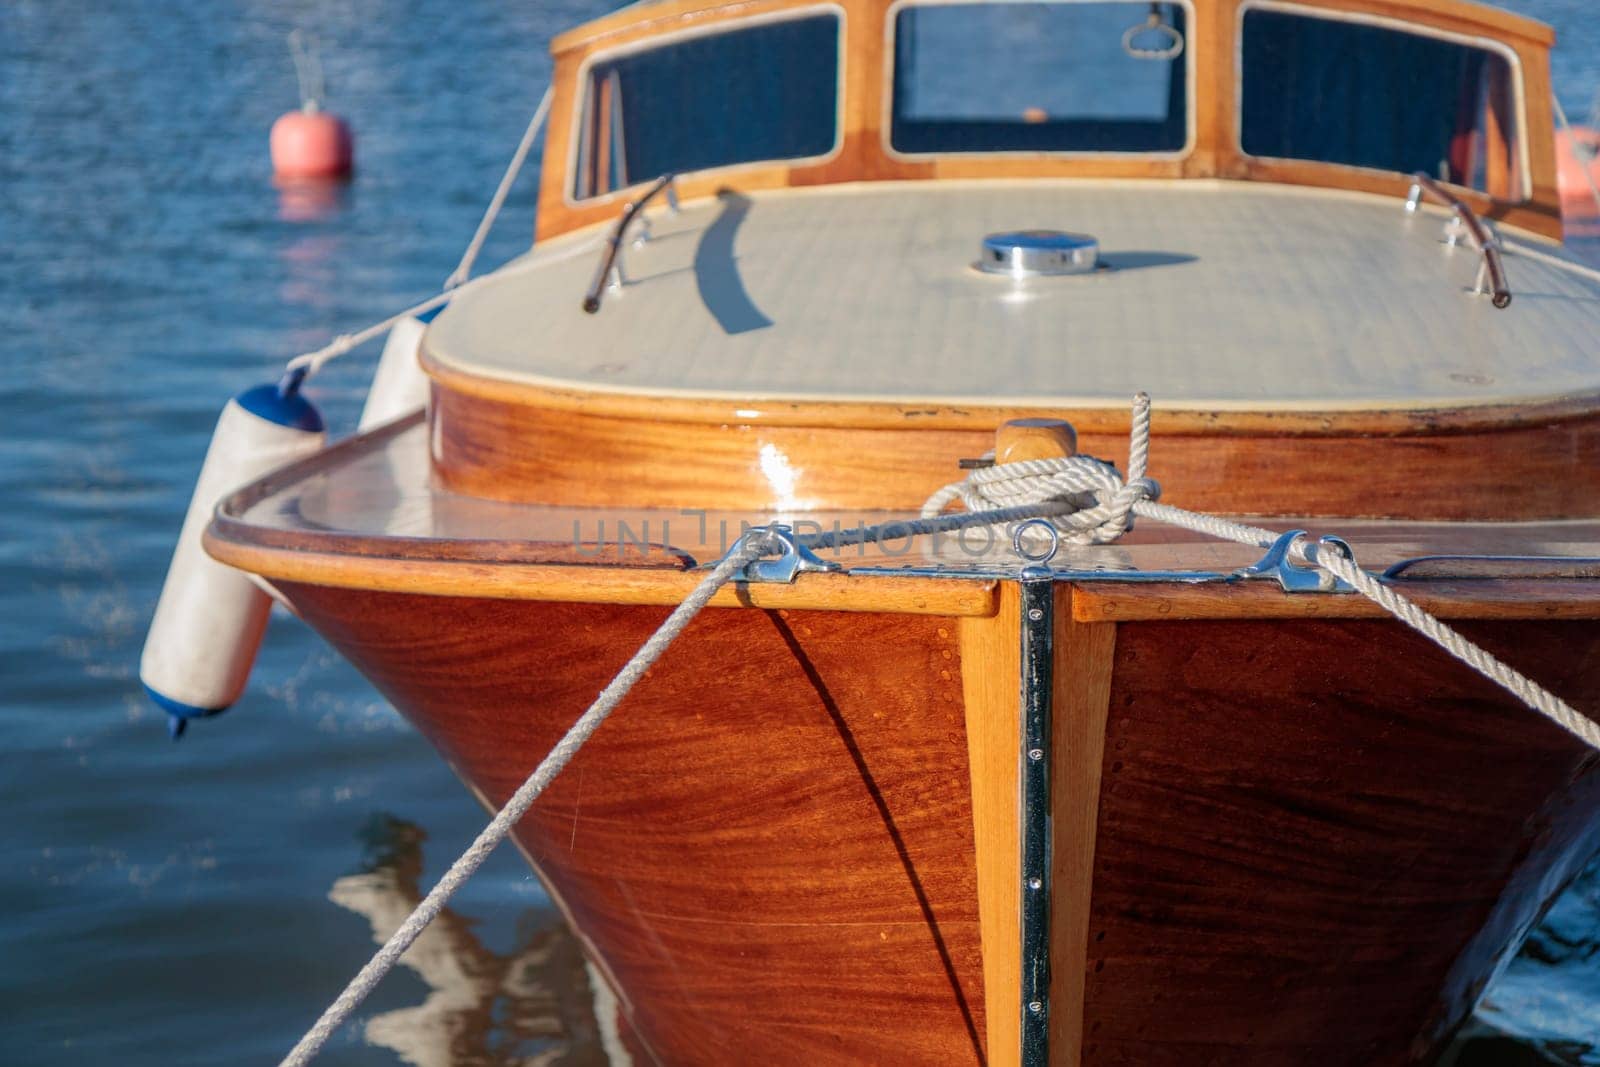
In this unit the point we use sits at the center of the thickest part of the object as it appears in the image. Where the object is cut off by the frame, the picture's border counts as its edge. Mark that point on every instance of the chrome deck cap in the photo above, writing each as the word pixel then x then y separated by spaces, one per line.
pixel 1027 253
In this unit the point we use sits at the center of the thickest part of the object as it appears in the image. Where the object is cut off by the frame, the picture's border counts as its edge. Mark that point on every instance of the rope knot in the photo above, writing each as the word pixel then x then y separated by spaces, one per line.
pixel 1099 501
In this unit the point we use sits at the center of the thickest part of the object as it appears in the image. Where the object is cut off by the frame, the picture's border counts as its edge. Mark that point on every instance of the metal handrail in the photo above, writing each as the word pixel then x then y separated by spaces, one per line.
pixel 608 262
pixel 1493 271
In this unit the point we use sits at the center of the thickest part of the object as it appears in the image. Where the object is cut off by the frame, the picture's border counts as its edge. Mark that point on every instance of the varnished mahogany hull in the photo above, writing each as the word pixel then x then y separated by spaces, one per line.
pixel 1316 839
pixel 768 847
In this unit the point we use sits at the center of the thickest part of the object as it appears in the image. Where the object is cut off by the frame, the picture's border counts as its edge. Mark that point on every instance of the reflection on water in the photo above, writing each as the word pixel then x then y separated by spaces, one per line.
pixel 309 200
pixel 531 1006
pixel 1543 1009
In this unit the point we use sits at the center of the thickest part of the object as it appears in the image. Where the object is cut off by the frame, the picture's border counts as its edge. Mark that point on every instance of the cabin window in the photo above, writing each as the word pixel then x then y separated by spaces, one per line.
pixel 1041 77
pixel 1380 97
pixel 767 91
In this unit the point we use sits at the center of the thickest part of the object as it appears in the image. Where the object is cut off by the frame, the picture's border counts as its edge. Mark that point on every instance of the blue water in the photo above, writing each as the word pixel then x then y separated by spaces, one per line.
pixel 170 904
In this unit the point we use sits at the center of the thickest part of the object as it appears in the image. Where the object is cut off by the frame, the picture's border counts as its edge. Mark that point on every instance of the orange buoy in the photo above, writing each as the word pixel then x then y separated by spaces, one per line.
pixel 311 143
pixel 1577 151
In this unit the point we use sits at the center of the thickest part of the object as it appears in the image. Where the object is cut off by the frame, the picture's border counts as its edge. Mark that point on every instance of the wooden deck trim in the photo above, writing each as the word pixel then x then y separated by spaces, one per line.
pixel 1081 703
pixel 599 583
pixel 952 597
pixel 458 574
pixel 1458 599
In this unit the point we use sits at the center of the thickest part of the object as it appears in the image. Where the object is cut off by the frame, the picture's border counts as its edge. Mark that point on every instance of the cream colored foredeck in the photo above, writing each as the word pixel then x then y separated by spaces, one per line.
pixel 1221 295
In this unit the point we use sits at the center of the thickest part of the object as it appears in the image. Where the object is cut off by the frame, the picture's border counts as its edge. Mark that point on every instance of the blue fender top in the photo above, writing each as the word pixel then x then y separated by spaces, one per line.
pixel 285 408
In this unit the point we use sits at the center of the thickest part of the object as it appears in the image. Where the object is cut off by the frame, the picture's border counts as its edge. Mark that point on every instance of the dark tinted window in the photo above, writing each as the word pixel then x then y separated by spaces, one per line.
pixel 1373 96
pixel 1040 77
pixel 759 92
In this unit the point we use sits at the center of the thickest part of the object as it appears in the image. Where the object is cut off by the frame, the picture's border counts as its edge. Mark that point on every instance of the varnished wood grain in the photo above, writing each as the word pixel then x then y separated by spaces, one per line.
pixel 1216 100
pixel 555 401
pixel 993 718
pixel 1081 695
pixel 1024 439
pixel 519 451
pixel 1539 129
pixel 768 845
pixel 1317 839
pixel 571 583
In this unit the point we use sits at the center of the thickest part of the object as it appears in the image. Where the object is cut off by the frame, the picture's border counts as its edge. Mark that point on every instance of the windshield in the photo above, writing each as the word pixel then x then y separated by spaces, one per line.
pixel 1376 96
pixel 766 91
pixel 1040 77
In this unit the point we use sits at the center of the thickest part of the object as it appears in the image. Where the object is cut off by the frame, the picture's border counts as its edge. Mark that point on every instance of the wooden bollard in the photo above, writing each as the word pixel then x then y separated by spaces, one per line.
pixel 1021 439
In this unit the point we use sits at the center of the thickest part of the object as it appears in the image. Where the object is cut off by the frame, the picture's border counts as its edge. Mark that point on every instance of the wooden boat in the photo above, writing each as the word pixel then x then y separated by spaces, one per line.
pixel 1281 827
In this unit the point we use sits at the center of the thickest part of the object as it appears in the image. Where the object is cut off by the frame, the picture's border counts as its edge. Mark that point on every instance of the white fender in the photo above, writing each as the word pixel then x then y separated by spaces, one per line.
pixel 210 618
pixel 399 386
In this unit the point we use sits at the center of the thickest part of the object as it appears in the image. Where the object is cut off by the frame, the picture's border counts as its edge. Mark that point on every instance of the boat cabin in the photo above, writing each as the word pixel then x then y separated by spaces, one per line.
pixel 858 265
pixel 1345 94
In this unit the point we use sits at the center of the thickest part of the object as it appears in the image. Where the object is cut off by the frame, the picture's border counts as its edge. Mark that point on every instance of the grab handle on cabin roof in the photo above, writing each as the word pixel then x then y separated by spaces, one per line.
pixel 1486 242
pixel 609 260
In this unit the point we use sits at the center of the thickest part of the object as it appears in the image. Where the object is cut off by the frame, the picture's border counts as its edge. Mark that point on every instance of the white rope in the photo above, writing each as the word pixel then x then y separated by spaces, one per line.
pixel 307 70
pixel 1104 505
pixel 1572 143
pixel 1530 252
pixel 752 545
pixel 1407 611
pixel 1106 502
pixel 464 268
pixel 309 363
